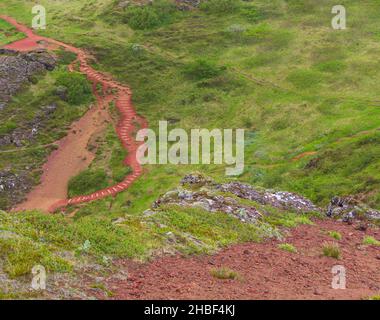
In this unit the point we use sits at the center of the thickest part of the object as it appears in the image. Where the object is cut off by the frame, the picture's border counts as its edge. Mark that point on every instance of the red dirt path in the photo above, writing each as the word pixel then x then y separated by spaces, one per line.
pixel 267 272
pixel 72 156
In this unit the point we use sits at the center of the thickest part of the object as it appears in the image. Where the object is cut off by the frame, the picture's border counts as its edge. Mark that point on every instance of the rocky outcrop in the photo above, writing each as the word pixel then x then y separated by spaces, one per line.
pixel 199 191
pixel 208 200
pixel 279 199
pixel 349 209
pixel 13 187
pixel 202 192
pixel 29 130
pixel 18 69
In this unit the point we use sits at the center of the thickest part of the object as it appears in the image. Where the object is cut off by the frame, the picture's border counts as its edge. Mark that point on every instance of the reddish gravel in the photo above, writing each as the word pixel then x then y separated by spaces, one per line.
pixel 267 272
pixel 66 161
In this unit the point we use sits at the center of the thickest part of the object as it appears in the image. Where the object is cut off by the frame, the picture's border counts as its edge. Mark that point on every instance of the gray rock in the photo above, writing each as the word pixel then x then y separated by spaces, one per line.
pixel 5 234
pixel 278 199
pixel 29 130
pixel 349 209
pixel 17 69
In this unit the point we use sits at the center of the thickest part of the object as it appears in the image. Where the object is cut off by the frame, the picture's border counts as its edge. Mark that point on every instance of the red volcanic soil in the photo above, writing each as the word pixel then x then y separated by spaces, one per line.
pixel 72 156
pixel 266 271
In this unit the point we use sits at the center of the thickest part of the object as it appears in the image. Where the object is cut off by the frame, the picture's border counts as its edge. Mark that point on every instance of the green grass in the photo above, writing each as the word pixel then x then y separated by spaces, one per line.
pixel 87 182
pixel 331 250
pixel 225 273
pixel 8 33
pixel 288 220
pixel 212 230
pixel 287 247
pixel 57 242
pixel 21 255
pixel 41 239
pixel 371 241
pixel 335 234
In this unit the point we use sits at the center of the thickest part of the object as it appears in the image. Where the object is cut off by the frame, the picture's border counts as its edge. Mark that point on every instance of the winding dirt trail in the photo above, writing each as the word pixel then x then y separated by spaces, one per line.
pixel 72 155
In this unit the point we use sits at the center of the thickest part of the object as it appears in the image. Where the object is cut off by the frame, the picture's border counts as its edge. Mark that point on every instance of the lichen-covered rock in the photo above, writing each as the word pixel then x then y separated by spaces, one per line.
pixel 279 199
pixel 349 209
pixel 208 201
pixel 202 192
pixel 17 69
pixel 196 180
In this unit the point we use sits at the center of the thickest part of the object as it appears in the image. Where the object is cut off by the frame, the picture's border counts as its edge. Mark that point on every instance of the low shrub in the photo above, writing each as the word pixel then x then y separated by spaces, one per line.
pixel 287 247
pixel 149 16
pixel 224 273
pixel 78 88
pixel 335 234
pixel 202 69
pixel 368 240
pixel 87 182
pixel 331 250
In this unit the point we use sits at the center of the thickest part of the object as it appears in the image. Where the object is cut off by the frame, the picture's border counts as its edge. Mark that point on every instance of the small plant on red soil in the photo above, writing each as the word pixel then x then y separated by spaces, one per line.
pixel 371 241
pixel 287 247
pixel 331 250
pixel 224 273
pixel 335 234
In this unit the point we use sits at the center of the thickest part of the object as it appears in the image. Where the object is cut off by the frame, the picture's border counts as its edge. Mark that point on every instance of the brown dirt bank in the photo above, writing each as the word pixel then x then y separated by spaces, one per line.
pixel 266 271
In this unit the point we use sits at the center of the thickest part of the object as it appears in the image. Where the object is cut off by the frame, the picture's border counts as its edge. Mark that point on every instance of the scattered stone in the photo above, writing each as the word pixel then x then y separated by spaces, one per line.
pixel 119 220
pixel 26 134
pixel 148 213
pixel 185 5
pixel 13 187
pixel 349 209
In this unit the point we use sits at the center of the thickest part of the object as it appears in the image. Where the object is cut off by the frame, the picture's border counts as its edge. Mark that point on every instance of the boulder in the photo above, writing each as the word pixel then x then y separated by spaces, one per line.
pixel 349 209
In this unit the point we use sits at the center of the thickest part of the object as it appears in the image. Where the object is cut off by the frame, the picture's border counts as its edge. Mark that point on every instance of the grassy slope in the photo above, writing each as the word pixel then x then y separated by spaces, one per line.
pixel 294 83
pixel 8 33
pixel 325 85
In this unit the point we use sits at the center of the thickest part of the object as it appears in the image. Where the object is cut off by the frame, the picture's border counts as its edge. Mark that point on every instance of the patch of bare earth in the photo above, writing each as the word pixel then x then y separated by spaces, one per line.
pixel 265 271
